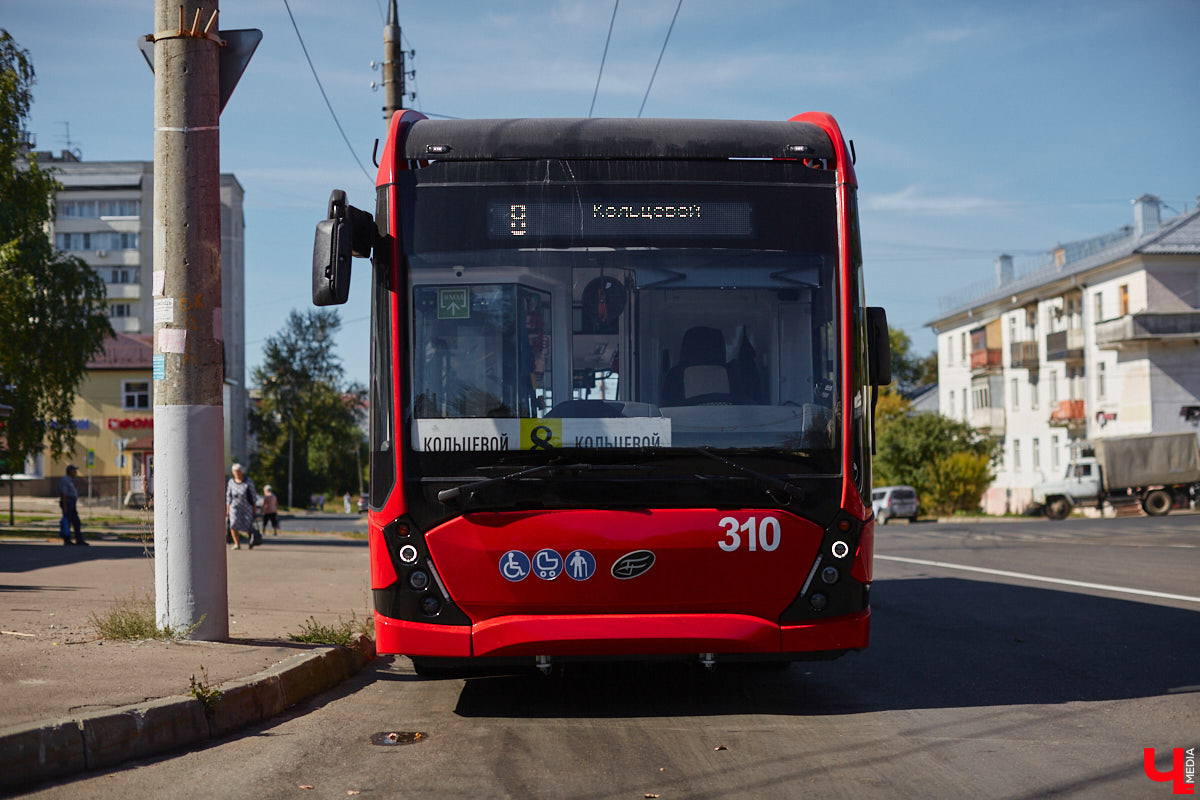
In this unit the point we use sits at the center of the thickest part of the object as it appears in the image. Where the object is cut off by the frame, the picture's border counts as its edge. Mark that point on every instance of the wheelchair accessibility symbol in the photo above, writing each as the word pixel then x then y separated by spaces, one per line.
pixel 547 564
pixel 514 566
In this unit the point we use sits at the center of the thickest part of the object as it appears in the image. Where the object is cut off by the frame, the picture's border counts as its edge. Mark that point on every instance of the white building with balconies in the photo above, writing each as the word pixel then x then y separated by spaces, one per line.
pixel 1101 339
pixel 105 215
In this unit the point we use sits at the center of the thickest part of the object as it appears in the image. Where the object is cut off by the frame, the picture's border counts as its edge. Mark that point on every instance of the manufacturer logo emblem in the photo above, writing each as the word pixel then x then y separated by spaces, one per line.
pixel 632 564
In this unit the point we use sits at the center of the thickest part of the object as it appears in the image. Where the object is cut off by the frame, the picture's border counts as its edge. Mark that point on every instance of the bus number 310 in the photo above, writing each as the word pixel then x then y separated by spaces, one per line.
pixel 764 535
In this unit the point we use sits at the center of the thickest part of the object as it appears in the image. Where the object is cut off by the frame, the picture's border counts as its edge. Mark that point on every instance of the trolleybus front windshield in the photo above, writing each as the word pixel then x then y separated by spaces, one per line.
pixel 664 307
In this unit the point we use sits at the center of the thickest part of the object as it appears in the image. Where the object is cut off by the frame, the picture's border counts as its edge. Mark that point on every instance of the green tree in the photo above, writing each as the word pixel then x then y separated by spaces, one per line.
pixel 909 370
pixel 947 461
pixel 307 423
pixel 52 306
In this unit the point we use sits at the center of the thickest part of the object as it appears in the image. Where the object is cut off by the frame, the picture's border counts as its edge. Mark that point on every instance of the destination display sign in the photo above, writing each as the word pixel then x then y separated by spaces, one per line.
pixel 475 434
pixel 662 217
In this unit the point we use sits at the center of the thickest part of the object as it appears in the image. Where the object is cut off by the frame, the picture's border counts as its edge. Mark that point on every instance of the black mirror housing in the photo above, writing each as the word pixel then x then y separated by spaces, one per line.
pixel 347 232
pixel 331 263
pixel 879 348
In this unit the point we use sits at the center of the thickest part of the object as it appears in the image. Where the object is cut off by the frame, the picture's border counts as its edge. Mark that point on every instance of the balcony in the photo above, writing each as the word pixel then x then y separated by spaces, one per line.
pixel 985 360
pixel 1148 327
pixel 988 420
pixel 1068 414
pixel 1065 345
pixel 123 291
pixel 1023 355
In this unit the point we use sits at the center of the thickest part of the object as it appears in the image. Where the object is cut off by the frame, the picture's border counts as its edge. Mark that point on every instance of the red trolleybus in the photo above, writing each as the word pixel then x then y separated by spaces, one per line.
pixel 622 389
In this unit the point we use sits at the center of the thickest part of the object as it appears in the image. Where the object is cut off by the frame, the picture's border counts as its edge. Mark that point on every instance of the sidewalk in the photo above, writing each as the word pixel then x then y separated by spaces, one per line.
pixel 65 692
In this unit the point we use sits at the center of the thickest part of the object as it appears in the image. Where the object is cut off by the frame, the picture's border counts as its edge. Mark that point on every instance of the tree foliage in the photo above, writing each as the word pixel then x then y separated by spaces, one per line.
pixel 908 369
pixel 947 461
pixel 305 412
pixel 52 306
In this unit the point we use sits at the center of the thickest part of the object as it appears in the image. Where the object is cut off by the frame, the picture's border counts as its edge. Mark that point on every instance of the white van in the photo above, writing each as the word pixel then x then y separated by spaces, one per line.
pixel 895 501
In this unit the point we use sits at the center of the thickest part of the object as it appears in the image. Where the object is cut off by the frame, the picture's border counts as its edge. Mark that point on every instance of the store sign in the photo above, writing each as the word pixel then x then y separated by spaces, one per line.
pixel 115 424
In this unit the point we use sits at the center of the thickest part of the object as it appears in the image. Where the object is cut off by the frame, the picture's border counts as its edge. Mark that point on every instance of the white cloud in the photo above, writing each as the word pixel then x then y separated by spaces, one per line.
pixel 911 200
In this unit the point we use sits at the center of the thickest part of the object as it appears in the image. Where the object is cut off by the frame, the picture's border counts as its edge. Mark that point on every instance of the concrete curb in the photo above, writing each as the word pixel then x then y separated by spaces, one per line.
pixel 57 748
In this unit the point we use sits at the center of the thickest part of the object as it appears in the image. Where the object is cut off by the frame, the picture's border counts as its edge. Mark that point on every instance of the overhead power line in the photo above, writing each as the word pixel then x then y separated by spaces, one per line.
pixel 604 57
pixel 328 105
pixel 660 55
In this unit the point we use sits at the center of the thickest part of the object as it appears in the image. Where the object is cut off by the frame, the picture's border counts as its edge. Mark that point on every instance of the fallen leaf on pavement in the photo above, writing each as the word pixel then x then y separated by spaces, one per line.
pixel 720 747
pixel 305 786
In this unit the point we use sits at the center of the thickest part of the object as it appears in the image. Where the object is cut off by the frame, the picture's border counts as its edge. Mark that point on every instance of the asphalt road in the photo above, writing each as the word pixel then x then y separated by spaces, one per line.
pixel 1017 681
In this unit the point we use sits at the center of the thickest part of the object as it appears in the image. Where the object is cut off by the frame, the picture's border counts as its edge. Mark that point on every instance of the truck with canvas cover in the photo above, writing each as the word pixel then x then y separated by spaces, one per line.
pixel 1158 471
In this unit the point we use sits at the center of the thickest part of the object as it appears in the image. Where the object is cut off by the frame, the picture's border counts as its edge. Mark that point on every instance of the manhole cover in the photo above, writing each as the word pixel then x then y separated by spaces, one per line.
pixel 391 738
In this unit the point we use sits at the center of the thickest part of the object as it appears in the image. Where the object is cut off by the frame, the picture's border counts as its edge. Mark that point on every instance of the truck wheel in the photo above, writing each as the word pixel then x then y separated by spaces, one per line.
pixel 1157 503
pixel 1058 508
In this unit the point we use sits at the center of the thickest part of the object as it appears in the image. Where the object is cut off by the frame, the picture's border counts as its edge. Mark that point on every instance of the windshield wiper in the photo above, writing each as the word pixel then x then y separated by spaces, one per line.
pixel 787 492
pixel 468 489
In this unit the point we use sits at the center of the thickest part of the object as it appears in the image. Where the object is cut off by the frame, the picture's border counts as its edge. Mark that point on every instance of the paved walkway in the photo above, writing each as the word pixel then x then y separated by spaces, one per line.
pixel 54 665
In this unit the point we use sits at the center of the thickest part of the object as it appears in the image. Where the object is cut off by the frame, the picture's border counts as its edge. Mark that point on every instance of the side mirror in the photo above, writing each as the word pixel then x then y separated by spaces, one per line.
pixel 879 348
pixel 347 232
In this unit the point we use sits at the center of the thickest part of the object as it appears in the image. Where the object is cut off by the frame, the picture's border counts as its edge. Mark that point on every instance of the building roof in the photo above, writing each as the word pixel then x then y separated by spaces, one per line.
pixel 1179 235
pixel 125 351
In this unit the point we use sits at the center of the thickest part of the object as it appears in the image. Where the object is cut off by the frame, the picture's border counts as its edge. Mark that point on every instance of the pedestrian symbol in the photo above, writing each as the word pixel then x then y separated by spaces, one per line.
pixel 454 303
pixel 547 564
pixel 514 566
pixel 581 565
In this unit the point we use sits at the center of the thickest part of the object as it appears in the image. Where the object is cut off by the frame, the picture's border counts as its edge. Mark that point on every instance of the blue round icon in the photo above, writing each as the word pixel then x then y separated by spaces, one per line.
pixel 547 564
pixel 514 566
pixel 581 565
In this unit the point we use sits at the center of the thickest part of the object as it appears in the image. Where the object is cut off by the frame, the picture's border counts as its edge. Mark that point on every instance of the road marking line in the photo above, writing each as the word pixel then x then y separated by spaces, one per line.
pixel 1043 579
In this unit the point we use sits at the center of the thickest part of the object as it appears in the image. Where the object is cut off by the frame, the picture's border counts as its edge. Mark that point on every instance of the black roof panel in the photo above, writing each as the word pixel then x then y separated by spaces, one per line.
pixel 488 139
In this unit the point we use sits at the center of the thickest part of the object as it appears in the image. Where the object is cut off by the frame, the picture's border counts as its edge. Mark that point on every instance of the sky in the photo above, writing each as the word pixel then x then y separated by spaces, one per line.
pixel 980 128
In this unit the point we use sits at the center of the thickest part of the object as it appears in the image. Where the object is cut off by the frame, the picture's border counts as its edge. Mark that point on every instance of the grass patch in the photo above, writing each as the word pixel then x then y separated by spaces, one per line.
pixel 206 694
pixel 134 619
pixel 343 632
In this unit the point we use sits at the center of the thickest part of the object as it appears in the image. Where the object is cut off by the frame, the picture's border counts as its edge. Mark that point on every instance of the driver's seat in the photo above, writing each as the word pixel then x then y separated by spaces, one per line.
pixel 700 377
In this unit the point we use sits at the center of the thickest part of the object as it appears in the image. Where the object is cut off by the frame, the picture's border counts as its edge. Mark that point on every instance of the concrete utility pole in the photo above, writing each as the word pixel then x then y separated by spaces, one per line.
pixel 393 64
pixel 190 577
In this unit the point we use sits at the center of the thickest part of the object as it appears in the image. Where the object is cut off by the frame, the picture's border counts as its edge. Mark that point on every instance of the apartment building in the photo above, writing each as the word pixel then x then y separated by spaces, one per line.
pixel 1101 339
pixel 105 215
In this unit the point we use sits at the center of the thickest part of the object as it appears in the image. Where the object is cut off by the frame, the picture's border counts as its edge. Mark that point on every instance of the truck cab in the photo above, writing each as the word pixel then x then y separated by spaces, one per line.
pixel 1080 484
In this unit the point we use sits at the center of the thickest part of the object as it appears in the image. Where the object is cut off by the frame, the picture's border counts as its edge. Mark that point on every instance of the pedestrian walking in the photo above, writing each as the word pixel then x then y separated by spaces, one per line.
pixel 346 503
pixel 68 501
pixel 270 509
pixel 239 506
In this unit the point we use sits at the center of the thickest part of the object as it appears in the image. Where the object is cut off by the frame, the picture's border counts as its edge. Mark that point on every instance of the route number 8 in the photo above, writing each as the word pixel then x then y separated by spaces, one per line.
pixel 764 535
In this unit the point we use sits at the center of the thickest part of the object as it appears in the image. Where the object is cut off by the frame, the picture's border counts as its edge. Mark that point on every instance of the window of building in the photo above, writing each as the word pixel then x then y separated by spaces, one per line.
pixel 964 404
pixel 1016 405
pixel 1124 298
pixel 1033 394
pixel 951 401
pixel 1053 381
pixel 135 394
pixel 1054 452
pixel 1099 306
pixel 120 208
pixel 1101 391
pixel 120 275
pixel 1037 455
pixel 962 349
pixel 1016 463
pixel 120 310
